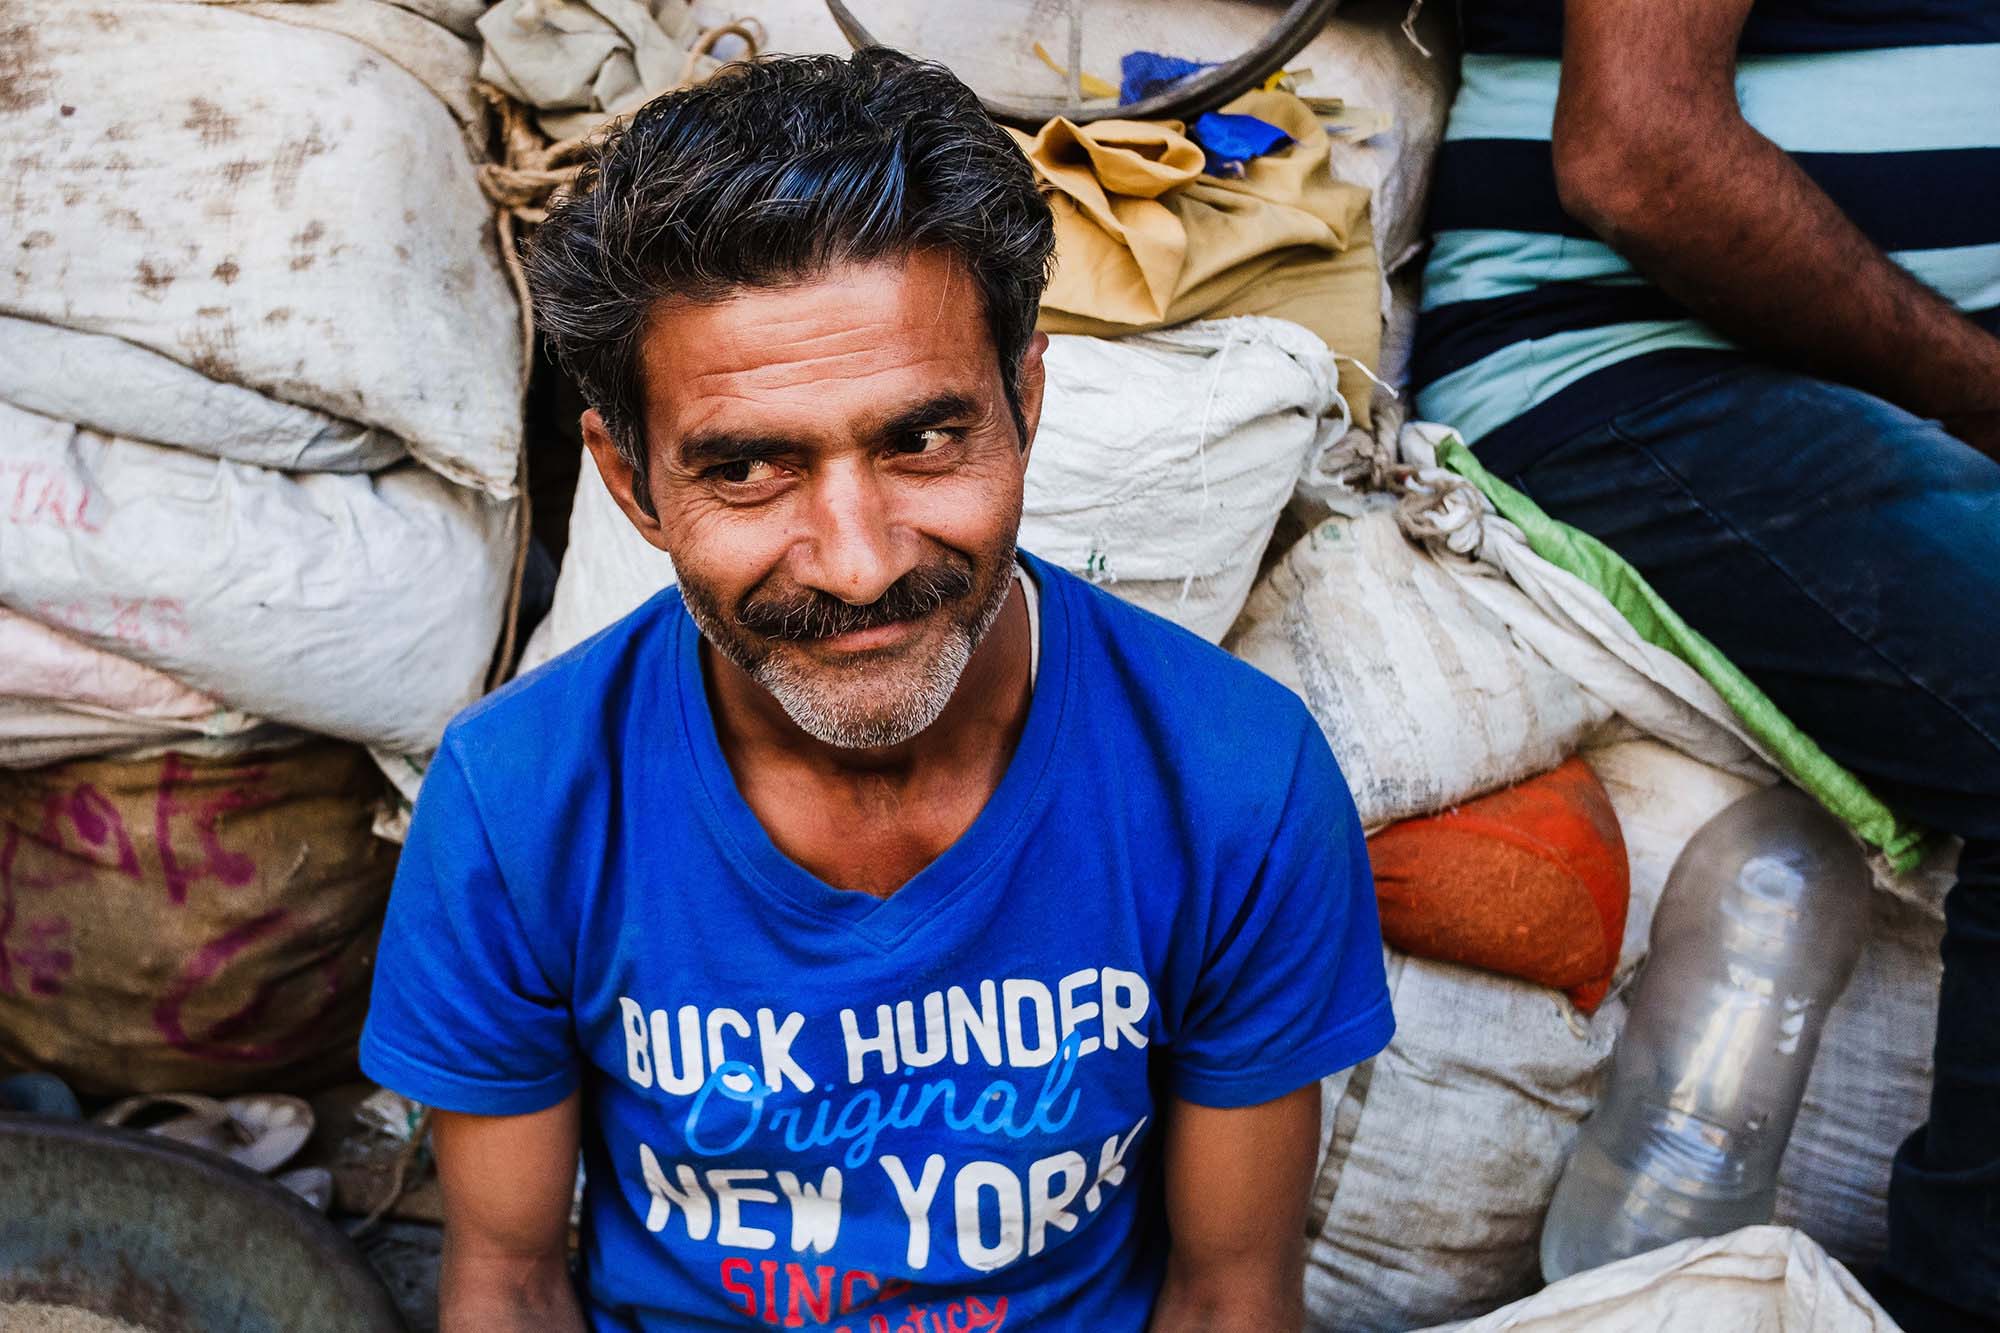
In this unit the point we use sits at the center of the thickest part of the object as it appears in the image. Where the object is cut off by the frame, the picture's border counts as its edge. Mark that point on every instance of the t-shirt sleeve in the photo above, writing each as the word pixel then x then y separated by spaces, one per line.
pixel 1293 986
pixel 463 1017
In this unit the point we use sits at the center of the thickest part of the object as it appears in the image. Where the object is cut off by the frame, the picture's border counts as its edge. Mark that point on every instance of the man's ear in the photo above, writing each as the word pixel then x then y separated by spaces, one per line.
pixel 1032 381
pixel 620 479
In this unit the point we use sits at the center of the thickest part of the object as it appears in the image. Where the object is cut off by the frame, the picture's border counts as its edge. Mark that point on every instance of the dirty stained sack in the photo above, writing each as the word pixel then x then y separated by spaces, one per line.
pixel 364 607
pixel 1424 695
pixel 61 373
pixel 190 925
pixel 260 204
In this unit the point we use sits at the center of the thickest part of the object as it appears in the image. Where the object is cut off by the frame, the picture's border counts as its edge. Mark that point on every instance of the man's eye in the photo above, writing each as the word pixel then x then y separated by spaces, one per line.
pixel 742 472
pixel 926 441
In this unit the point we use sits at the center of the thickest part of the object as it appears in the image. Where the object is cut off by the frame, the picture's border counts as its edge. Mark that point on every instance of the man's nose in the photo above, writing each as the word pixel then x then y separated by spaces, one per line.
pixel 852 551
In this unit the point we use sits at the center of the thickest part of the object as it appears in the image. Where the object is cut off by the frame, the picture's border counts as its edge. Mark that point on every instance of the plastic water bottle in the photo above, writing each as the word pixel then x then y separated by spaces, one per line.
pixel 1754 939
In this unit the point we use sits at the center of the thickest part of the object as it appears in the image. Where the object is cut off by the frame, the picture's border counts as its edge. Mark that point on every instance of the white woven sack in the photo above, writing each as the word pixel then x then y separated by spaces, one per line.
pixel 1164 459
pixel 40 664
pixel 34 733
pixel 1425 697
pixel 63 699
pixel 282 209
pixel 608 571
pixel 1771 1279
pixel 1444 1149
pixel 364 607
pixel 1442 1153
pixel 62 373
pixel 1870 1087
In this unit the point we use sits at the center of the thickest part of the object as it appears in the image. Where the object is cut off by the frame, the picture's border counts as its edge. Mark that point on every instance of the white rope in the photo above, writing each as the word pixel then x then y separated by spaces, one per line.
pixel 1410 27
pixel 1435 506
pixel 1373 378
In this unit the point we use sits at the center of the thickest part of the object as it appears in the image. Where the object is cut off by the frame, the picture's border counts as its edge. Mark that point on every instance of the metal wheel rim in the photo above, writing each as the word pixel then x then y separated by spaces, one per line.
pixel 1201 92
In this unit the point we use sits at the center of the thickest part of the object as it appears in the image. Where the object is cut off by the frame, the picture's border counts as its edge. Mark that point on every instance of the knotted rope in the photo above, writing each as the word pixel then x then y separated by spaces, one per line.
pixel 1435 507
pixel 531 174
pixel 532 171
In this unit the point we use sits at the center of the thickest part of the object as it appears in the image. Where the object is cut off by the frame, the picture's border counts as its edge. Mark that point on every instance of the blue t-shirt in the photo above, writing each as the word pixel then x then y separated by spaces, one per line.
pixel 813 1108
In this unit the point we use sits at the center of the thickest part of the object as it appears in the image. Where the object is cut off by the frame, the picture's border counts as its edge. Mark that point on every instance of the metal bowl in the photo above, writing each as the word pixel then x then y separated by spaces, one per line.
pixel 172 1239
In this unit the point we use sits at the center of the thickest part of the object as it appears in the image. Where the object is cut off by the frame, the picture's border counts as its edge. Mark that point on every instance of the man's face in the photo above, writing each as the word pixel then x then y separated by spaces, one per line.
pixel 837 476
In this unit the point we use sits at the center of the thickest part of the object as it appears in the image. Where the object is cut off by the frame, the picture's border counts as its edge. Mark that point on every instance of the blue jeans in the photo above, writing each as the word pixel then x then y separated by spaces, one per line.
pixel 1846 555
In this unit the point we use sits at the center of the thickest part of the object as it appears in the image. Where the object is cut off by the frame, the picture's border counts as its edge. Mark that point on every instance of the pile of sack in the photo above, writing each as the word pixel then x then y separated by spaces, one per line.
pixel 1444 659
pixel 261 376
pixel 1527 767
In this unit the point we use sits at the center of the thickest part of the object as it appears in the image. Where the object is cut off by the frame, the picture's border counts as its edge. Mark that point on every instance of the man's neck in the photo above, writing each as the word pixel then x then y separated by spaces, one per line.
pixel 870 820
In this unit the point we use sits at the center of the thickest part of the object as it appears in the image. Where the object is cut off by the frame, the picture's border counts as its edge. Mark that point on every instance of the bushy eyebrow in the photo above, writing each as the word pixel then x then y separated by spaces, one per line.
pixel 720 448
pixel 707 449
pixel 933 411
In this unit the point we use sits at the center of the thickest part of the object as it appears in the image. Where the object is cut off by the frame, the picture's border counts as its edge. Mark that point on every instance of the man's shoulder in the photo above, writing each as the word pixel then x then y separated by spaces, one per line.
pixel 567 710
pixel 1221 722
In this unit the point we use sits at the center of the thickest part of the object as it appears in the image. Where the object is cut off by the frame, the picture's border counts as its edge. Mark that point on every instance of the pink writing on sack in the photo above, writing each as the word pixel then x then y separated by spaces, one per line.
pixel 152 624
pixel 42 495
pixel 78 836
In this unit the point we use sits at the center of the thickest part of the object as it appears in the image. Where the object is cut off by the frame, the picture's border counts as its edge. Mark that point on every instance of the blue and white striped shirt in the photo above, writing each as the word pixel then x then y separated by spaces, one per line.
pixel 1892 108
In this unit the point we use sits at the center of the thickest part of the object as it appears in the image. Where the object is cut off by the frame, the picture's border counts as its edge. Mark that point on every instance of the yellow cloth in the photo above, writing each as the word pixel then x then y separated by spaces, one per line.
pixel 1144 239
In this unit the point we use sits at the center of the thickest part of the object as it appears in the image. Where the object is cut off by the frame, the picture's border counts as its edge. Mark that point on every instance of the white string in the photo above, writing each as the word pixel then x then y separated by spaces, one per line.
pixel 1201 454
pixel 1373 378
pixel 1410 26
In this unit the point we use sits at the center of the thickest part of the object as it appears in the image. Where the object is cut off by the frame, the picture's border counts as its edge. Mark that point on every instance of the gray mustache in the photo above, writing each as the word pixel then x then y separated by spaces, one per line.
pixel 818 615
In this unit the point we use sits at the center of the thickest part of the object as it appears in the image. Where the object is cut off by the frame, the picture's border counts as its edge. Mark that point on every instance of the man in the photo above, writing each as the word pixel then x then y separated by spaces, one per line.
pixel 908 934
pixel 1720 286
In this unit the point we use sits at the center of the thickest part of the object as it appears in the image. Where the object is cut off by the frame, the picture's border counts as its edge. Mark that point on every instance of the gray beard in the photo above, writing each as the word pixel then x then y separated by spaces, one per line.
pixel 859 724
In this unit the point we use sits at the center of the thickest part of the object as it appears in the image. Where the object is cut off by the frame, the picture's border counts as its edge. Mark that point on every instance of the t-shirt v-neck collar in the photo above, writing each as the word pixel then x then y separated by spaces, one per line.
pixel 963 867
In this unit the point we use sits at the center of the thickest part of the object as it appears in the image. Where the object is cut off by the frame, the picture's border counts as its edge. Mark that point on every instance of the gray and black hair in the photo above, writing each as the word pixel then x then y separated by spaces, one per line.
pixel 768 174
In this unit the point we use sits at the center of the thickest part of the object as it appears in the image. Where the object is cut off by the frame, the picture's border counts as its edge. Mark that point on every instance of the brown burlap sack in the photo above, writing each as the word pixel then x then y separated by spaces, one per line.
pixel 188 924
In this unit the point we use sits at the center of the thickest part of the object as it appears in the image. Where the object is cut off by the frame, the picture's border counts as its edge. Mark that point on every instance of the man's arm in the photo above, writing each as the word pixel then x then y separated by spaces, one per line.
pixel 508 1182
pixel 1653 154
pixel 1237 1185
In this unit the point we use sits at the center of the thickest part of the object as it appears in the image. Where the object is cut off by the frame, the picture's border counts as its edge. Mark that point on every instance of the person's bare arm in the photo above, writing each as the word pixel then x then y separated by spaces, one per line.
pixel 1653 154
pixel 1237 1184
pixel 507 1182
